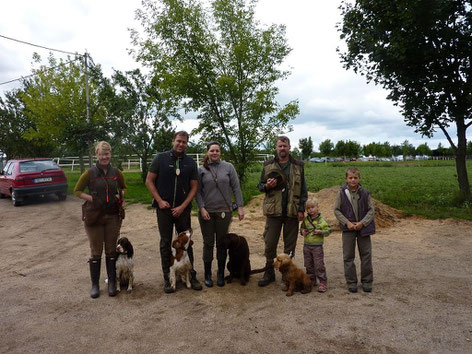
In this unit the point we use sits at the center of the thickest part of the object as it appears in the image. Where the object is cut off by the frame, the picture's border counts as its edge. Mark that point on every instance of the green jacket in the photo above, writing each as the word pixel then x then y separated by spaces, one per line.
pixel 295 188
pixel 310 225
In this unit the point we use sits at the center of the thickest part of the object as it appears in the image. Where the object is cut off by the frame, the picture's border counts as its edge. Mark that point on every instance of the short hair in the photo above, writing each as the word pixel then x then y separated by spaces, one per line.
pixel 283 138
pixel 102 145
pixel 353 170
pixel 182 133
pixel 311 202
pixel 212 143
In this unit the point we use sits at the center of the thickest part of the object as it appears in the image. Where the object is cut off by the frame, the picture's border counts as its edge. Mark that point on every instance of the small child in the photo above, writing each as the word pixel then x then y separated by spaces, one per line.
pixel 354 209
pixel 314 228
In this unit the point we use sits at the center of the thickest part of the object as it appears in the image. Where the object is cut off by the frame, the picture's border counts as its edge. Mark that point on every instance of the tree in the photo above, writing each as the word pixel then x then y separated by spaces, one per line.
pixel 420 51
pixel 306 147
pixel 55 100
pixel 222 64
pixel 326 147
pixel 13 125
pixel 339 149
pixel 407 149
pixel 141 115
pixel 424 150
pixel 352 149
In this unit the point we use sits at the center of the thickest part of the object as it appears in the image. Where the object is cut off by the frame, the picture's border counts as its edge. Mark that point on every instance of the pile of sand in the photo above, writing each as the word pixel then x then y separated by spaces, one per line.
pixel 385 216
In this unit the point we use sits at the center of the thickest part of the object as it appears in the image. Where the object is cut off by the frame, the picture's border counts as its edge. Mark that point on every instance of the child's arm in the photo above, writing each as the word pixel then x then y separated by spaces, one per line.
pixel 325 228
pixel 303 229
pixel 369 217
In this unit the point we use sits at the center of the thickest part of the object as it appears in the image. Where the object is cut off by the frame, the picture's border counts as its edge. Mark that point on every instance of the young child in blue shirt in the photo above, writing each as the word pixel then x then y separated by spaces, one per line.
pixel 314 229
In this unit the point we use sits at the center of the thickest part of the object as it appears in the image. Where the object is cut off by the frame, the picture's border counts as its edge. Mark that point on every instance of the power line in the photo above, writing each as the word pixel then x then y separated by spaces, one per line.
pixel 40 46
pixel 50 68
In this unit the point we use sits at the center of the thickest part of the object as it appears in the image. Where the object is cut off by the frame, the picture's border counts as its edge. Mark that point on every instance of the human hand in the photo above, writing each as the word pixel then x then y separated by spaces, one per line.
pixel 304 233
pixel 163 204
pixel 204 213
pixel 358 225
pixel 271 183
pixel 241 213
pixel 318 232
pixel 350 226
pixel 300 216
pixel 177 211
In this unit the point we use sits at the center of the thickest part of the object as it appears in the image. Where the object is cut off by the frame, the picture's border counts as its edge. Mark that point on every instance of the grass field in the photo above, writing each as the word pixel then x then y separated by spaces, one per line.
pixel 427 188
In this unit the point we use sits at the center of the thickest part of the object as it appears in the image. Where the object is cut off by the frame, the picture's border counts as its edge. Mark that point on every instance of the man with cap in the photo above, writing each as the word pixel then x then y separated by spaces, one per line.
pixel 283 181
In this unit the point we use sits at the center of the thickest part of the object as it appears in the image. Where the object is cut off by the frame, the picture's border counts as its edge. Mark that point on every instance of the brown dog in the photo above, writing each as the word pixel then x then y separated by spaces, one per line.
pixel 295 278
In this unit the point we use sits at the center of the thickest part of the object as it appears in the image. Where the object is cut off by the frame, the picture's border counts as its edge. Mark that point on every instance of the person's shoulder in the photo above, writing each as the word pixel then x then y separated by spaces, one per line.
pixel 296 161
pixel 269 162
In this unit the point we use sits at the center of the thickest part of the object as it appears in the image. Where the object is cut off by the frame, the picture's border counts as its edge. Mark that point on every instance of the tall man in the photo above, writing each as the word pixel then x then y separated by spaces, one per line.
pixel 173 180
pixel 283 181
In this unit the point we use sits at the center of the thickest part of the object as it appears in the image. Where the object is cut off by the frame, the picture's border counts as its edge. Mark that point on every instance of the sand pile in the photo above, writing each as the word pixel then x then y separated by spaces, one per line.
pixel 385 216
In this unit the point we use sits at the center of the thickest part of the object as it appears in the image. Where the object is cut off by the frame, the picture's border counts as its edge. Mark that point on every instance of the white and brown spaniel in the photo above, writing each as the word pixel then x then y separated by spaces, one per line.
pixel 180 265
pixel 124 264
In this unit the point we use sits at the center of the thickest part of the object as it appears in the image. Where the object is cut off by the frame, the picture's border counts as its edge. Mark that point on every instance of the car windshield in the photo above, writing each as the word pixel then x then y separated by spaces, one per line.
pixel 38 166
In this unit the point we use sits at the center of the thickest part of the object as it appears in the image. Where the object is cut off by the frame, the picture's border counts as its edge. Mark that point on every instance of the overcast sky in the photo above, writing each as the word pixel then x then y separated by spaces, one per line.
pixel 334 103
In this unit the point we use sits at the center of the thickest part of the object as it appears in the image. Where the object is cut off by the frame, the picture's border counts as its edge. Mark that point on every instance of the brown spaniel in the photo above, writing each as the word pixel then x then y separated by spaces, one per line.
pixel 294 277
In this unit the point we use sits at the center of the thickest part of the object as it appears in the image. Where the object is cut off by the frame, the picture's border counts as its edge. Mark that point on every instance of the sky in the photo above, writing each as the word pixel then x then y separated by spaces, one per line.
pixel 335 104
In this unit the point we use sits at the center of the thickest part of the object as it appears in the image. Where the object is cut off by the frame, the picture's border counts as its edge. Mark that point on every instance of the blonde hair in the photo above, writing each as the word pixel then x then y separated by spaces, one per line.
pixel 353 170
pixel 102 146
pixel 311 202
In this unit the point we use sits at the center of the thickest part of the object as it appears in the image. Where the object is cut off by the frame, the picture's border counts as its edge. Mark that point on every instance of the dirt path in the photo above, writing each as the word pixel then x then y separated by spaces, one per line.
pixel 421 301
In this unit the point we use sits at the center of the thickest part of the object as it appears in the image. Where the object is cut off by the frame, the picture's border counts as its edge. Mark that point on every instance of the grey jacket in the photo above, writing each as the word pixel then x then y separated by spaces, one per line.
pixel 208 195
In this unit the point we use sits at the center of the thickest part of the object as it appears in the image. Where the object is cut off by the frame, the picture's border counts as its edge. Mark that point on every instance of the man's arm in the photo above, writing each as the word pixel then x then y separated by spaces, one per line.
pixel 151 186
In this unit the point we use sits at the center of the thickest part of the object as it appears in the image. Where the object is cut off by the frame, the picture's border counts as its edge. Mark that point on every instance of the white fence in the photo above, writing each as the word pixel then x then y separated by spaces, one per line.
pixel 132 162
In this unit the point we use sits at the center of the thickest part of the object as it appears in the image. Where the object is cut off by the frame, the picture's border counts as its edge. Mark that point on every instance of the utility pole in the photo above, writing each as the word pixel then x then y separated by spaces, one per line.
pixel 88 106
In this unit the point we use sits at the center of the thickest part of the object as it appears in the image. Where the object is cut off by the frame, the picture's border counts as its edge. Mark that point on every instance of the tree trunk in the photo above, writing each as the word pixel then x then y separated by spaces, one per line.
pixel 81 163
pixel 461 166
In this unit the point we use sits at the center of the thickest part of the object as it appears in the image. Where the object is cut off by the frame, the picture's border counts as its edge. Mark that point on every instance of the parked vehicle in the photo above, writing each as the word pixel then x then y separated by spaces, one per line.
pixel 24 178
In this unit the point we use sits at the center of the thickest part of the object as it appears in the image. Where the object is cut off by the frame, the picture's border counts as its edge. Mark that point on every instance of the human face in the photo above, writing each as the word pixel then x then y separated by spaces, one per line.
pixel 283 149
pixel 180 143
pixel 214 153
pixel 103 157
pixel 352 180
pixel 313 210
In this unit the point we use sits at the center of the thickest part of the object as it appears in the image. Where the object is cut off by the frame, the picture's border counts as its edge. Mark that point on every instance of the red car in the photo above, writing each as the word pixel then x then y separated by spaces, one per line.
pixel 23 178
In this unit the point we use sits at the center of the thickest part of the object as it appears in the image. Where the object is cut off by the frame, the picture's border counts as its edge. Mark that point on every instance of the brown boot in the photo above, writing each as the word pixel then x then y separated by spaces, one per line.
pixel 269 275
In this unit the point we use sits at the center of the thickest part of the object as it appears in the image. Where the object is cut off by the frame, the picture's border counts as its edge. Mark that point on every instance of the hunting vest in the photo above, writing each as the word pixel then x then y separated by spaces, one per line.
pixel 273 199
pixel 362 208
pixel 104 188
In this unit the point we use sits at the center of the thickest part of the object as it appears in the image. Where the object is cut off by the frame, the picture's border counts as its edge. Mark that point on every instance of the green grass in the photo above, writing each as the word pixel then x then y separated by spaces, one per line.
pixel 427 188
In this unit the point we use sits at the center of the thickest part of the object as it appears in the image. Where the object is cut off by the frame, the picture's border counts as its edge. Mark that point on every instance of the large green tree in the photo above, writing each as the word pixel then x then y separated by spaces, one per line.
pixel 55 99
pixel 139 115
pixel 326 147
pixel 419 50
pixel 223 65
pixel 13 125
pixel 306 147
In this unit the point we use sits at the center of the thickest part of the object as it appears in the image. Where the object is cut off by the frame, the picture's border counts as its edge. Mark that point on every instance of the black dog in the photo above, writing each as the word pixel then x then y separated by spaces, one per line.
pixel 239 265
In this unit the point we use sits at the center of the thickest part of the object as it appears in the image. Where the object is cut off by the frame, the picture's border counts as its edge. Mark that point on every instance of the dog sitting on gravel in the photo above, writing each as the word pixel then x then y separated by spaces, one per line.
pixel 124 264
pixel 294 277
pixel 239 265
pixel 180 265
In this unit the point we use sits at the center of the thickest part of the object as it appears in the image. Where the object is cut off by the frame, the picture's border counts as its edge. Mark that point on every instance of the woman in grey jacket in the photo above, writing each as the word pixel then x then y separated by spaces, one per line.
pixel 217 183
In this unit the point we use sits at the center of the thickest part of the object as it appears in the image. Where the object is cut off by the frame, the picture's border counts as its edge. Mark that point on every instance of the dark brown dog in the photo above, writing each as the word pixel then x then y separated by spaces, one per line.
pixel 295 278
pixel 239 265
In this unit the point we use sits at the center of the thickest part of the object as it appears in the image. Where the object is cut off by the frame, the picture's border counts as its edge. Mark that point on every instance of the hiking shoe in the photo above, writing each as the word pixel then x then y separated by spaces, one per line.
pixel 167 288
pixel 195 283
pixel 322 288
pixel 367 288
pixel 352 288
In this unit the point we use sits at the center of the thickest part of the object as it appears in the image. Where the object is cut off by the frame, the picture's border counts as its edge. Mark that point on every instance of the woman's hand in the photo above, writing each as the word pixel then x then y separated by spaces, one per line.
pixel 240 213
pixel 204 213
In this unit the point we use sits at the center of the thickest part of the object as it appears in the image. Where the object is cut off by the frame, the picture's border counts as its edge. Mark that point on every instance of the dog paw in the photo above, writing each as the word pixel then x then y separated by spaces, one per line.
pixel 289 294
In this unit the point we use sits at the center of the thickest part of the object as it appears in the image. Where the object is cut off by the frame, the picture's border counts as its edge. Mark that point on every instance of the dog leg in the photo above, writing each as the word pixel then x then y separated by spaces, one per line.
pixel 130 281
pixel 285 287
pixel 291 287
pixel 187 279
pixel 172 278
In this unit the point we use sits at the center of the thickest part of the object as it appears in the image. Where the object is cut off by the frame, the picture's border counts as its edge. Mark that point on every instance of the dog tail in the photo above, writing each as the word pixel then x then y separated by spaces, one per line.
pixel 260 270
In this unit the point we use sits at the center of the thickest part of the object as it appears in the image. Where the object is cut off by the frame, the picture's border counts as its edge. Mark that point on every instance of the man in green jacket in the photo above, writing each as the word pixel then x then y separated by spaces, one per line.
pixel 283 181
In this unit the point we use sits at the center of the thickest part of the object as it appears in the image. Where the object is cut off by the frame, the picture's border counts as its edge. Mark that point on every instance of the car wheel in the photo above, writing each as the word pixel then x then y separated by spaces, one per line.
pixel 2 195
pixel 62 196
pixel 14 199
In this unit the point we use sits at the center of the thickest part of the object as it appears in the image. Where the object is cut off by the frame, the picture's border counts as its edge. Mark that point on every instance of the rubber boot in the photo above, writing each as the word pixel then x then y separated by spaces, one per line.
pixel 194 281
pixel 269 275
pixel 111 271
pixel 95 277
pixel 167 288
pixel 220 280
pixel 208 280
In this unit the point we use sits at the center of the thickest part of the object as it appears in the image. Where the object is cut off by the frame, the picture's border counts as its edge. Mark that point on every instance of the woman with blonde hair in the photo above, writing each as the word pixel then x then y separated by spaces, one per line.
pixel 102 214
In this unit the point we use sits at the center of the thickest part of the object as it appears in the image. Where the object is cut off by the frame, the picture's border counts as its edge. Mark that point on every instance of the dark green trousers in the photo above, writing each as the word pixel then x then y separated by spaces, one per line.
pixel 272 230
pixel 364 245
pixel 214 229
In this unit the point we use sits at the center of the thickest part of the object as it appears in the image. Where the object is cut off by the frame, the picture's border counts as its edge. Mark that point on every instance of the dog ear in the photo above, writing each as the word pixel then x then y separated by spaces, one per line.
pixel 176 243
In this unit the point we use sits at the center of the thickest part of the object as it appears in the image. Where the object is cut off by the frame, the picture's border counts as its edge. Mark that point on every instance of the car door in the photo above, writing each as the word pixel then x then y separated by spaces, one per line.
pixel 4 181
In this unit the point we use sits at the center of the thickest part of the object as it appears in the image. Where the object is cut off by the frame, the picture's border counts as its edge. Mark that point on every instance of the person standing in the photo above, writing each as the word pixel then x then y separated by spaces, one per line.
pixel 172 180
pixel 102 214
pixel 218 182
pixel 354 209
pixel 283 181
